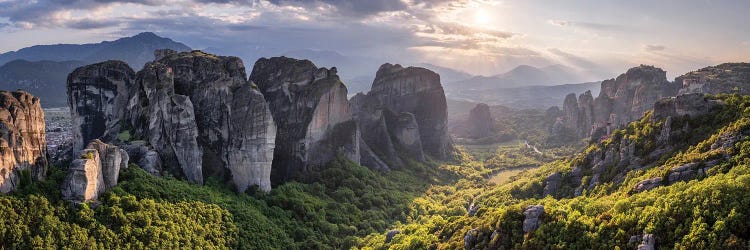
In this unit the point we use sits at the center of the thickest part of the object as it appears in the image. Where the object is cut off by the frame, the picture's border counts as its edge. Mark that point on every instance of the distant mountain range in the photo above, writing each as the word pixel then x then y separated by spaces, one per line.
pixel 528 97
pixel 44 79
pixel 43 69
pixel 135 50
pixel 521 76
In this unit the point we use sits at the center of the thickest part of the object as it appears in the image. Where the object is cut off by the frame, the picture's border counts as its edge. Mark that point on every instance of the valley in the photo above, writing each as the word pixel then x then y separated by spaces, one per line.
pixel 375 125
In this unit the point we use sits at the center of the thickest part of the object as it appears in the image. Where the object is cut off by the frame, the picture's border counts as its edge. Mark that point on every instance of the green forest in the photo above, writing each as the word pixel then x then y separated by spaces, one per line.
pixel 347 206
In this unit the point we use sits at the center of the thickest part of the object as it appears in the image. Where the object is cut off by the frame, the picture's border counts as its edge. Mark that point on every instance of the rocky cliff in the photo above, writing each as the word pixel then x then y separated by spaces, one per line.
pixel 403 117
pixel 23 145
pixel 674 123
pixel 620 101
pixel 97 96
pixel 192 113
pixel 313 116
pixel 417 91
pixel 478 124
pixel 722 78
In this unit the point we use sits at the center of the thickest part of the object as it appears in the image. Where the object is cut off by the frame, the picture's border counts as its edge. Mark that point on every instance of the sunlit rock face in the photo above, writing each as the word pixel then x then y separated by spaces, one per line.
pixel 312 114
pixel 23 144
pixel 97 96
pixel 191 113
pixel 620 101
pixel 722 78
pixel 95 170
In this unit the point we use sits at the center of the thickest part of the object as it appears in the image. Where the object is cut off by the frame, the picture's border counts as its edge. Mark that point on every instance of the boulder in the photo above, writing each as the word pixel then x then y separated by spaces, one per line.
pixel 648 243
pixel 389 236
pixel 23 145
pixel 310 108
pixel 470 238
pixel 93 172
pixel 531 220
pixel 647 184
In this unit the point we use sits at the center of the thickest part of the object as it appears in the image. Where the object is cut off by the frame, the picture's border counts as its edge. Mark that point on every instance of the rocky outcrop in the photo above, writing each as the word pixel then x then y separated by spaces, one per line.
pixel 23 144
pixel 166 120
pixel 531 220
pixel 551 183
pixel 470 238
pixel 310 108
pixel 389 236
pixel 190 113
pixel 648 243
pixel 417 91
pixel 723 78
pixel 690 105
pixel 95 171
pixel 403 117
pixel 480 121
pixel 97 96
pixel 647 184
pixel 235 130
pixel 620 101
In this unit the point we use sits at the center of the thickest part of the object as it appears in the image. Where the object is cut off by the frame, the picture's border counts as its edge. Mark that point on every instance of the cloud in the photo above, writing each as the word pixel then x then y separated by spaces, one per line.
pixel 357 8
pixel 653 48
pixel 596 28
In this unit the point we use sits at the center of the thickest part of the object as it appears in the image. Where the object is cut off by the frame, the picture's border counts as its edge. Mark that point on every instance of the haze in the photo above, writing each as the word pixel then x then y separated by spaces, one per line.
pixel 599 38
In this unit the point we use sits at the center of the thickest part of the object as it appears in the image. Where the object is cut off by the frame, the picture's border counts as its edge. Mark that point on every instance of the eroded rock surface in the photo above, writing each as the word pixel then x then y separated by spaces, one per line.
pixel 313 116
pixel 23 145
pixel 98 96
pixel 191 113
pixel 532 221
pixel 94 171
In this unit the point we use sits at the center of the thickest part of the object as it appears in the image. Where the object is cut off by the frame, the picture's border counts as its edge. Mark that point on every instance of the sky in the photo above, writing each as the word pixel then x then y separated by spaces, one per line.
pixel 599 38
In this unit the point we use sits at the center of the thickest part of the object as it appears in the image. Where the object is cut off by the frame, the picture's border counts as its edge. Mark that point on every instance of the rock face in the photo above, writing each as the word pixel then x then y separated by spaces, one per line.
pixel 620 101
pixel 403 117
pixel 417 91
pixel 196 113
pixel 23 144
pixel 97 96
pixel 723 78
pixel 531 221
pixel 648 243
pixel 691 105
pixel 310 107
pixel 95 171
pixel 479 123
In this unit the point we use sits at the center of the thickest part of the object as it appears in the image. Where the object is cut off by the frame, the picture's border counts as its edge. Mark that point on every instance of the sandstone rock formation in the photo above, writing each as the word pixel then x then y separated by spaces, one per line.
pixel 620 101
pixel 310 108
pixel 95 171
pixel 684 105
pixel 417 91
pixel 97 96
pixel 192 113
pixel 479 124
pixel 648 243
pixel 403 117
pixel 723 78
pixel 23 144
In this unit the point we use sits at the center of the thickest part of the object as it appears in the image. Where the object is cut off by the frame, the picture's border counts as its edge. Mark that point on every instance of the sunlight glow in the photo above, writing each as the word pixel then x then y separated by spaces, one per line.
pixel 482 17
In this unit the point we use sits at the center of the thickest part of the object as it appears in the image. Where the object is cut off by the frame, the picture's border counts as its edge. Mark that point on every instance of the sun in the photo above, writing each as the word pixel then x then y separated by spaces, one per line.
pixel 482 17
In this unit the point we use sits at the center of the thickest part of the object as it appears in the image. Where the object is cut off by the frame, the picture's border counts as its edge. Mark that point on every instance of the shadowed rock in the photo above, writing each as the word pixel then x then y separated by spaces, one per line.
pixel 98 96
pixel 312 114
